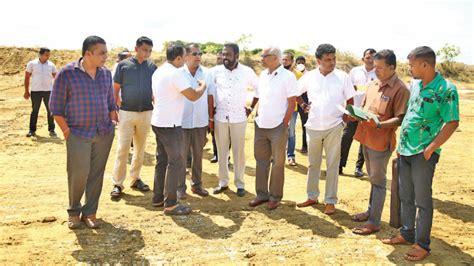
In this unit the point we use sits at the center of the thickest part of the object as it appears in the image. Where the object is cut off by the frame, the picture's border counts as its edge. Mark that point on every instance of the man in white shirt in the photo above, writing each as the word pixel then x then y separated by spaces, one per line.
pixel 327 87
pixel 360 77
pixel 196 119
pixel 231 81
pixel 170 87
pixel 42 72
pixel 276 94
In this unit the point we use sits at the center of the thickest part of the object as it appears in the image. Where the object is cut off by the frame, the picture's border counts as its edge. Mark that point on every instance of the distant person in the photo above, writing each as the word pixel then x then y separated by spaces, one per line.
pixel 301 67
pixel 198 117
pixel 42 73
pixel 361 76
pixel 124 54
pixel 432 117
pixel 287 61
pixel 134 98
pixel 215 157
pixel 231 81
pixel 276 95
pixel 170 88
pixel 387 98
pixel 327 87
pixel 87 124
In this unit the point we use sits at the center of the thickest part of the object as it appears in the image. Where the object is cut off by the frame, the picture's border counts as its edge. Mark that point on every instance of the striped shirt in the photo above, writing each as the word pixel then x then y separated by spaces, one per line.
pixel 84 102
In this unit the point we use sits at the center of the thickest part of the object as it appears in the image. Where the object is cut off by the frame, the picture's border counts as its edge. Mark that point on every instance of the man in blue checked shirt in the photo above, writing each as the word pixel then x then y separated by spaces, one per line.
pixel 82 103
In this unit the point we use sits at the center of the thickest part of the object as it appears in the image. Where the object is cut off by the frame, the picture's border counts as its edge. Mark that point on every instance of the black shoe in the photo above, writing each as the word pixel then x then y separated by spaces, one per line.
pixel 304 150
pixel 200 191
pixel 358 172
pixel 219 189
pixel 31 134
pixel 241 192
pixel 139 185
pixel 340 171
pixel 52 133
pixel 214 159
pixel 116 192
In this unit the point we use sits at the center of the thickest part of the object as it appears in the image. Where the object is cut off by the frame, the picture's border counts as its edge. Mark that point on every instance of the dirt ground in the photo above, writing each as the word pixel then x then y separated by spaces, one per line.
pixel 222 228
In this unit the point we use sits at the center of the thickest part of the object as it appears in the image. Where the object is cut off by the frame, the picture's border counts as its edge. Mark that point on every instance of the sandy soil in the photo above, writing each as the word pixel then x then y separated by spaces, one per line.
pixel 222 229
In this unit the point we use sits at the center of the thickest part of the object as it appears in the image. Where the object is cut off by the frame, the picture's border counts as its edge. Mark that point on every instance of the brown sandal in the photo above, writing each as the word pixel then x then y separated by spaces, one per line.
pixel 366 229
pixel 416 253
pixel 396 240
pixel 360 217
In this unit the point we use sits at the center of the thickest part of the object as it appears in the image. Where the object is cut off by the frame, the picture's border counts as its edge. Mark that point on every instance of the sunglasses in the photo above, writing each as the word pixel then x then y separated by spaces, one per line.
pixel 196 54
pixel 265 55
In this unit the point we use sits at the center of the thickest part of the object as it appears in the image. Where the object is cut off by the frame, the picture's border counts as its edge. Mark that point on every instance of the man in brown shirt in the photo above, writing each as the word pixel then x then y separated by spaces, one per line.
pixel 386 97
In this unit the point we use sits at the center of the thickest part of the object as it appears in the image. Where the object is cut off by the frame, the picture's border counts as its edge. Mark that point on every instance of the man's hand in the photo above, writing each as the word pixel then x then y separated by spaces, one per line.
pixel 286 122
pixel 428 152
pixel 306 107
pixel 248 110
pixel 202 83
pixel 66 133
pixel 26 95
pixel 211 125
pixel 370 123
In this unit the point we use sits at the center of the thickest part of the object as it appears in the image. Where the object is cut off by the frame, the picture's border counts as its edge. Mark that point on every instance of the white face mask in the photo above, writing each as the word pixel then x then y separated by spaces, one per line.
pixel 300 67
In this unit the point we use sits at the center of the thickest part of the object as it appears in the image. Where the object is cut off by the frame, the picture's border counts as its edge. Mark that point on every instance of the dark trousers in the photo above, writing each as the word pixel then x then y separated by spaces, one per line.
pixel 194 140
pixel 304 118
pixel 86 161
pixel 214 145
pixel 415 180
pixel 169 164
pixel 269 152
pixel 347 137
pixel 36 98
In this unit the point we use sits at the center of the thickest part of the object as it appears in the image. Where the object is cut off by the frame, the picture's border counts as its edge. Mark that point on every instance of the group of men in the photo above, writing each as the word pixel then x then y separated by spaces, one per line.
pixel 182 100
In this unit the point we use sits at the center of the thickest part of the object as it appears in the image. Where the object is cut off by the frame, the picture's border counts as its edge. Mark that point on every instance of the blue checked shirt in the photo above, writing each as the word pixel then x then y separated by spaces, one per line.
pixel 84 102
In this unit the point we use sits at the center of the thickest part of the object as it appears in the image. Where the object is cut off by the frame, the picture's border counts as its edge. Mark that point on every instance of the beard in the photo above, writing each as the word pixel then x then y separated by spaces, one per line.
pixel 287 67
pixel 228 63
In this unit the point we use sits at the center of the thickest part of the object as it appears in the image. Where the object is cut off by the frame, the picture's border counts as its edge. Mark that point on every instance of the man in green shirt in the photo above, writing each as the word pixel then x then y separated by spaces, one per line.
pixel 431 119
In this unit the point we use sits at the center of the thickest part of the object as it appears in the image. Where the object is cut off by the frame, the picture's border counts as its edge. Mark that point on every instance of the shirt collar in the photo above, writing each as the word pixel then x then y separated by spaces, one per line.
pixel 276 71
pixel 186 68
pixel 433 84
pixel 390 82
pixel 79 64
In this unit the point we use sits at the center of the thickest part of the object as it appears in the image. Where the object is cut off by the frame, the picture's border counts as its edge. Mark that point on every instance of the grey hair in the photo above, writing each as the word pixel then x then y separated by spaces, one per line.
pixel 275 51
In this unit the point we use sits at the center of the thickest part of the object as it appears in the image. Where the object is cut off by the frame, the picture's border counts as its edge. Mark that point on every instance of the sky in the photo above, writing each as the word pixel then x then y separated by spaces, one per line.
pixel 351 26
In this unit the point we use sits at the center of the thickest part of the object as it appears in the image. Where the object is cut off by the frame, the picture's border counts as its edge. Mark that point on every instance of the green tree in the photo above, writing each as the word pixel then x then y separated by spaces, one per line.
pixel 448 53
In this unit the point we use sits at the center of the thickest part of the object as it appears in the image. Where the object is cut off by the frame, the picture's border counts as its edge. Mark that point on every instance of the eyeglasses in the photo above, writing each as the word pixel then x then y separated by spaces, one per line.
pixel 196 54
pixel 265 55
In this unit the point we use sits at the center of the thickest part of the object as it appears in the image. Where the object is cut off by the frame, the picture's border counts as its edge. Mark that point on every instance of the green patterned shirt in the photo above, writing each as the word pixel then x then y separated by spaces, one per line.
pixel 429 109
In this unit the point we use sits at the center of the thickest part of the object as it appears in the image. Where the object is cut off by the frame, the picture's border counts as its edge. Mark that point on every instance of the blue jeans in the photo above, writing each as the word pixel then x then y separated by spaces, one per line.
pixel 416 177
pixel 290 152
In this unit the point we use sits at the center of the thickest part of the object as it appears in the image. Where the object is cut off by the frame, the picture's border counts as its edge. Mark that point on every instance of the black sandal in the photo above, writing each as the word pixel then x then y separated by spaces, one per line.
pixel 139 185
pixel 178 210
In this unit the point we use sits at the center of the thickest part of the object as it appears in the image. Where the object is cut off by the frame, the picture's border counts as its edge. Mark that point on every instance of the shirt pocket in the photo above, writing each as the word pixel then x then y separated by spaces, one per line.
pixel 383 104
pixel 429 104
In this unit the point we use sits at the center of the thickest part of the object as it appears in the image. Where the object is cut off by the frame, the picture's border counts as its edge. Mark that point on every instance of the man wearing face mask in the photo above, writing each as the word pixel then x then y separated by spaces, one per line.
pixel 301 67
pixel 231 81
pixel 360 77
pixel 327 88
pixel 287 61
pixel 387 98
pixel 133 95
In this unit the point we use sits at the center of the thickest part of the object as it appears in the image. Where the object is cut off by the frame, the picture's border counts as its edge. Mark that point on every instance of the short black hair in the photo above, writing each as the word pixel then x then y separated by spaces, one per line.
pixel 191 45
pixel 370 50
pixel 388 56
pixel 301 58
pixel 89 42
pixel 323 49
pixel 290 54
pixel 44 50
pixel 233 46
pixel 425 53
pixel 173 51
pixel 144 40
